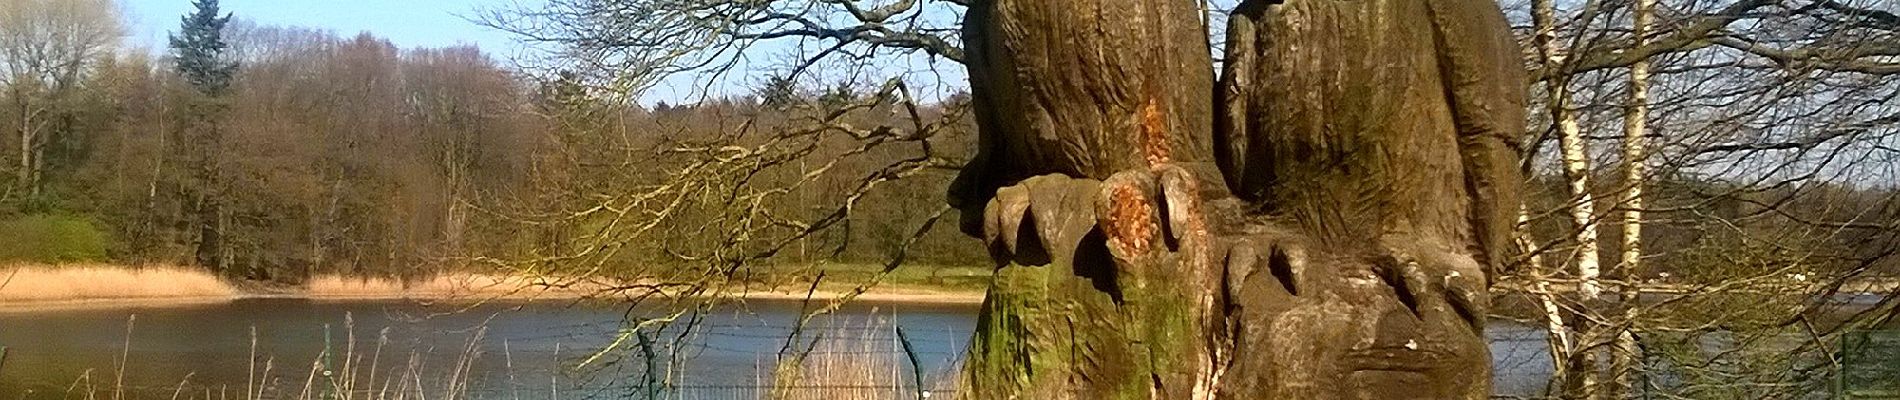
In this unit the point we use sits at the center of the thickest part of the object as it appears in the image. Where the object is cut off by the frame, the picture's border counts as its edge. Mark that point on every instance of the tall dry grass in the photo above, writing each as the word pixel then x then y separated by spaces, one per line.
pixel 78 282
pixel 856 362
pixel 438 287
pixel 865 363
pixel 358 368
pixel 47 283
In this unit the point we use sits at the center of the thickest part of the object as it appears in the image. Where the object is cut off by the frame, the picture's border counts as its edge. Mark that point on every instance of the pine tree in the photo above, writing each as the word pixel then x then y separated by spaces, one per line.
pixel 778 93
pixel 199 53
pixel 840 95
pixel 199 49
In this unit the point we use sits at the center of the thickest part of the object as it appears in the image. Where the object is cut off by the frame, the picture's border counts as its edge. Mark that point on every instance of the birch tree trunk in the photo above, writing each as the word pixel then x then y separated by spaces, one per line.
pixel 1626 357
pixel 25 179
pixel 152 239
pixel 1578 371
pixel 31 131
pixel 1557 338
pixel 1574 151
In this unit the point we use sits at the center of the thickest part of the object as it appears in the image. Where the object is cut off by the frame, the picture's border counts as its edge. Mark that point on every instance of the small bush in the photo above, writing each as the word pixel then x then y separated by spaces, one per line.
pixel 51 239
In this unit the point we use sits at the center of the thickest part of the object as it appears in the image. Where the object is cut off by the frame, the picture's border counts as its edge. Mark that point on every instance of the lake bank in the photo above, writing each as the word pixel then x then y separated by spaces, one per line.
pixel 45 287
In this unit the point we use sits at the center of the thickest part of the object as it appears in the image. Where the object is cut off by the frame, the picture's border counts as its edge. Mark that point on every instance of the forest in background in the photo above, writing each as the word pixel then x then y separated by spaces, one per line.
pixel 334 154
pixel 350 155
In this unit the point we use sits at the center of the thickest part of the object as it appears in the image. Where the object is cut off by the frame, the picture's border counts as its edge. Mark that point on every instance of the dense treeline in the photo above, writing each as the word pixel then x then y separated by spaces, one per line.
pixel 793 174
pixel 351 155
pixel 338 153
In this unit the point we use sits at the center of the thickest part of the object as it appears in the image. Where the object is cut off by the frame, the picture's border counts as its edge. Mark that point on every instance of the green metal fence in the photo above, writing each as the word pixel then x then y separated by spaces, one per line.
pixel 1870 365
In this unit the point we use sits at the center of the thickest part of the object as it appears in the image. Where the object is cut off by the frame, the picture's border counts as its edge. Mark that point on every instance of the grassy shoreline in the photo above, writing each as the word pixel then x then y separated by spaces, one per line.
pixel 34 287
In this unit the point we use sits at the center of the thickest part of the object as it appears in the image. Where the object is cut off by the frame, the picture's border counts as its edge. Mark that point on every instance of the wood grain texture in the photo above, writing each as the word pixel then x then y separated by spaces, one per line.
pixel 1320 224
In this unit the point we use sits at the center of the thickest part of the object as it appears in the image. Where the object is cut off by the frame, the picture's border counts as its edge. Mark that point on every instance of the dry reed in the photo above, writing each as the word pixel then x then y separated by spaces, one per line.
pixel 43 283
pixel 439 287
pixel 854 362
pixel 849 363
pixel 79 282
pixel 345 371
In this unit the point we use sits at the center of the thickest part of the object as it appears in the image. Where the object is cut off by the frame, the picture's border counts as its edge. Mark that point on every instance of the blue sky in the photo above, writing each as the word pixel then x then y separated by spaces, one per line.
pixel 439 23
pixel 407 23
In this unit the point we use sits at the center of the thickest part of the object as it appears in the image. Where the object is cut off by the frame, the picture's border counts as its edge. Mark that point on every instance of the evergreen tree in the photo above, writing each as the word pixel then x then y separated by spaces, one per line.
pixel 778 93
pixel 199 53
pixel 199 47
pixel 840 95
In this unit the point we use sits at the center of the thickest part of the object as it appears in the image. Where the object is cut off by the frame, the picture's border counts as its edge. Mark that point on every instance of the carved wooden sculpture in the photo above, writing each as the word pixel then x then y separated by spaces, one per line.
pixel 1381 131
pixel 1368 148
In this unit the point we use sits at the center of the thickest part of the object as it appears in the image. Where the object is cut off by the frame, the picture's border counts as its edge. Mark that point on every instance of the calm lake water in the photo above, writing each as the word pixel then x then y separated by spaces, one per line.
pixel 521 350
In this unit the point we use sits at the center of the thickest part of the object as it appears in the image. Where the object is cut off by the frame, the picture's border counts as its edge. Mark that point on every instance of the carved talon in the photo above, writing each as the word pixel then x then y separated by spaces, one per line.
pixel 1408 281
pixel 1181 199
pixel 1127 214
pixel 1140 209
pixel 1441 283
pixel 1280 259
pixel 1038 221
pixel 1467 291
pixel 1470 300
pixel 1003 226
pixel 1243 260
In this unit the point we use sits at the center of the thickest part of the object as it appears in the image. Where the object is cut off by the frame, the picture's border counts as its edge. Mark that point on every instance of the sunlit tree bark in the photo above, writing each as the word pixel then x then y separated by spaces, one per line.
pixel 1574 150
pixel 1627 353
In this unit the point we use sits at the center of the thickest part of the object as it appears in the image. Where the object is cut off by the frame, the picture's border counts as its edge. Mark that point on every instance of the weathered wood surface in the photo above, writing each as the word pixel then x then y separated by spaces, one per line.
pixel 1098 301
pixel 1356 119
pixel 1083 88
pixel 1367 146
pixel 1070 94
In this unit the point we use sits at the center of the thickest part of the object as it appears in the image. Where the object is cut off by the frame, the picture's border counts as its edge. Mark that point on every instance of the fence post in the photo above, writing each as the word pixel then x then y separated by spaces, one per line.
pixel 916 369
pixel 3 358
pixel 1840 375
